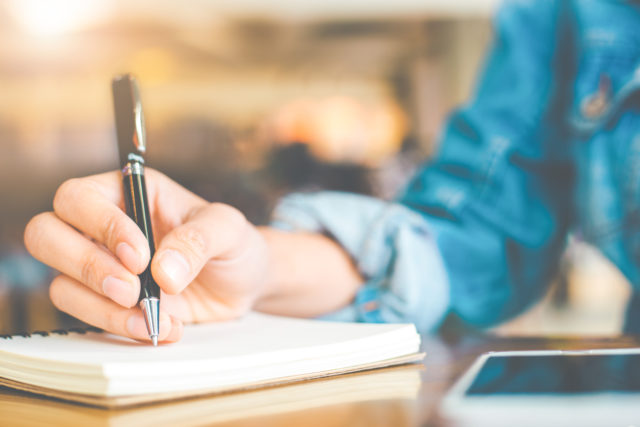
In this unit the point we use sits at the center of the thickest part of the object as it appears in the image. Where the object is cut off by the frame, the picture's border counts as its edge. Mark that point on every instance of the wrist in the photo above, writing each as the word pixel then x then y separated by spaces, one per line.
pixel 307 274
pixel 270 284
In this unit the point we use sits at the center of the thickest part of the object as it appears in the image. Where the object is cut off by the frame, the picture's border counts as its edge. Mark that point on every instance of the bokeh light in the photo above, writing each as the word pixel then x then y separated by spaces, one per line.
pixel 54 17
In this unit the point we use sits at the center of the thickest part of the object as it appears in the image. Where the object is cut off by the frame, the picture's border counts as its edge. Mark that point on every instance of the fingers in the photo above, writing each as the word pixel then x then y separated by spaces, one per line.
pixel 214 231
pixel 99 283
pixel 77 300
pixel 57 244
pixel 92 206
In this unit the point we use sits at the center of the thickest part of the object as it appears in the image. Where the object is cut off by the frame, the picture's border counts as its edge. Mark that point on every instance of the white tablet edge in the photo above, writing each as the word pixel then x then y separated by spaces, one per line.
pixel 590 410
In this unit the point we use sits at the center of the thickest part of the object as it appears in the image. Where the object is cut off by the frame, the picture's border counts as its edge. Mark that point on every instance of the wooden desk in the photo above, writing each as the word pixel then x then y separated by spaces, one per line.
pixel 406 396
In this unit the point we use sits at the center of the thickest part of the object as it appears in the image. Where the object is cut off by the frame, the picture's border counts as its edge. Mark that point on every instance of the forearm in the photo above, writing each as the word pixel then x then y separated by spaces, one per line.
pixel 310 274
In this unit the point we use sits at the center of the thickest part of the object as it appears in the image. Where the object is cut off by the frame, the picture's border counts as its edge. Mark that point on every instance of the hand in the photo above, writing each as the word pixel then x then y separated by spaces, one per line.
pixel 210 262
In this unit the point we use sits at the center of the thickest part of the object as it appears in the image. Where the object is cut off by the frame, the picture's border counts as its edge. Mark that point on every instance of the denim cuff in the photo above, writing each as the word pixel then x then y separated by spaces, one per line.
pixel 393 248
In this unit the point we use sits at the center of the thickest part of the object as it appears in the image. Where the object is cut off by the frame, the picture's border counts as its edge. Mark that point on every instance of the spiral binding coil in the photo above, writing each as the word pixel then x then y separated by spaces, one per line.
pixel 55 332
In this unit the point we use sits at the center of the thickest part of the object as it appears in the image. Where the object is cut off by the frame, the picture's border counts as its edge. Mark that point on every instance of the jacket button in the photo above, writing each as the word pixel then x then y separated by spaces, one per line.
pixel 596 104
pixel 370 306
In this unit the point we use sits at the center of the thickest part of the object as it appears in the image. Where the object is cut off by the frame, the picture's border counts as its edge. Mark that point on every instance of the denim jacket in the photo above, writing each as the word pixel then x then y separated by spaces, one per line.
pixel 549 144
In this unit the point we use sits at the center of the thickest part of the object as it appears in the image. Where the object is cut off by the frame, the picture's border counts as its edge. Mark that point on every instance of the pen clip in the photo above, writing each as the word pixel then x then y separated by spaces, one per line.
pixel 139 136
pixel 130 126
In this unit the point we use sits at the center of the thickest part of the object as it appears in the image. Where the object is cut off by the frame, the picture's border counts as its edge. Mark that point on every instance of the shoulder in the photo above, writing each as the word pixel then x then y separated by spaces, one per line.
pixel 528 22
pixel 538 12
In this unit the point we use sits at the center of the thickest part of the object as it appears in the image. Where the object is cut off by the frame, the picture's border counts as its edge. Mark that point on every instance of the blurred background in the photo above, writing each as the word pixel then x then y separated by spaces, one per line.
pixel 245 101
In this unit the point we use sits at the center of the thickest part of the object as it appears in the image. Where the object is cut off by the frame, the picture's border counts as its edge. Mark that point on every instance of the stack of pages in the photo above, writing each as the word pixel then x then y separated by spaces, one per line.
pixel 387 389
pixel 258 350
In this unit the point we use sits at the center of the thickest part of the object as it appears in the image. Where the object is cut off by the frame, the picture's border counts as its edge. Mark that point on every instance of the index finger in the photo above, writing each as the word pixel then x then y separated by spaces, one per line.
pixel 93 205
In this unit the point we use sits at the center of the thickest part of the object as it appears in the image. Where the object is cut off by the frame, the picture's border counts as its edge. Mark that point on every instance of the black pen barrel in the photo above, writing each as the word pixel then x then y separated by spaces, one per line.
pixel 137 206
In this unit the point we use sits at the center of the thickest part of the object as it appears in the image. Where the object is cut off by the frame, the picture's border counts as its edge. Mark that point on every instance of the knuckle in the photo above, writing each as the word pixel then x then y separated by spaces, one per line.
pixel 35 230
pixel 89 268
pixel 235 220
pixel 229 213
pixel 67 193
pixel 236 223
pixel 192 240
pixel 110 230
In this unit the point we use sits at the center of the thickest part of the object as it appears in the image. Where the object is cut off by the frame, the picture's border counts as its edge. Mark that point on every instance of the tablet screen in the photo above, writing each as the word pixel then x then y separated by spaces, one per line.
pixel 558 374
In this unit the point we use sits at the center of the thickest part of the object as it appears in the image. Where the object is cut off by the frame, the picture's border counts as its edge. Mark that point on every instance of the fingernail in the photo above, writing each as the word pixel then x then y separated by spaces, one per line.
pixel 119 291
pixel 129 256
pixel 137 327
pixel 174 266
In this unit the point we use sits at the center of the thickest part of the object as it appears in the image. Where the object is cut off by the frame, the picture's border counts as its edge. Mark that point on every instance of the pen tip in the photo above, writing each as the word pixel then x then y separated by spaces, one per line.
pixel 154 339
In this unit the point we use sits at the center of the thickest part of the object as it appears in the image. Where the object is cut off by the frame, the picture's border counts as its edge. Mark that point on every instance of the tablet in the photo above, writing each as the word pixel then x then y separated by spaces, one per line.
pixel 548 388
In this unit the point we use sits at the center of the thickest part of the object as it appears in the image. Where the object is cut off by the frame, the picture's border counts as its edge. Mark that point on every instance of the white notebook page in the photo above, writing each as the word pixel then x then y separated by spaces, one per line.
pixel 257 347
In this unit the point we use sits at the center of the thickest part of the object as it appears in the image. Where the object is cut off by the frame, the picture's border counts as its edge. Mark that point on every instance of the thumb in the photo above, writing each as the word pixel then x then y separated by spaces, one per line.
pixel 214 231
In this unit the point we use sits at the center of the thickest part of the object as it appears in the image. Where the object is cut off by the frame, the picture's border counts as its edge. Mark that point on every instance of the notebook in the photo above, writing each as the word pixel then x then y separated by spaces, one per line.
pixel 349 395
pixel 258 350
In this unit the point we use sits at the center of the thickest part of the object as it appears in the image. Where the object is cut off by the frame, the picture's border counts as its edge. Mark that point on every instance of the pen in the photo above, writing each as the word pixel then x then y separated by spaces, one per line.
pixel 131 146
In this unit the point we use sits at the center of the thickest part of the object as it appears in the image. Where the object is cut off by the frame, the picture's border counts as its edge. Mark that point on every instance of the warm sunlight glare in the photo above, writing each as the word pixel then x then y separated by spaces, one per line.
pixel 54 17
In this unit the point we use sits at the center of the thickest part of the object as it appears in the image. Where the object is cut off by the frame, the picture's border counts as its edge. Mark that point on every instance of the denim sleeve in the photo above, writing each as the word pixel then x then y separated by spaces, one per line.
pixel 497 195
pixel 392 247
